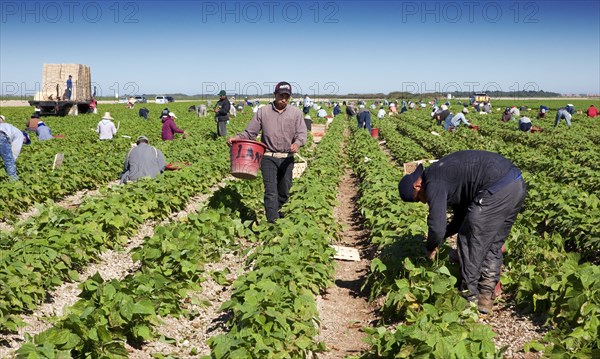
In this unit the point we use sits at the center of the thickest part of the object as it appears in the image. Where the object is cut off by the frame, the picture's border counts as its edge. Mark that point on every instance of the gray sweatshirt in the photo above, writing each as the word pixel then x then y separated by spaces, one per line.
pixel 143 161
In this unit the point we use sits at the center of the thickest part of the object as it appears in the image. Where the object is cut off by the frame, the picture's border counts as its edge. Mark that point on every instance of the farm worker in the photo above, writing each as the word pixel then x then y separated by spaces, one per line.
pixel 308 122
pixel 381 112
pixel 222 113
pixel 306 103
pixel 43 132
pixel 283 132
pixel 485 192
pixel 93 106
pixel 393 108
pixel 169 128
pixel 523 108
pixel 322 113
pixel 562 113
pixel 350 110
pixel 130 102
pixel 364 118
pixel 69 88
pixel 514 112
pixel 570 109
pixel 143 161
pixel 455 121
pixel 202 110
pixel 106 128
pixel 506 116
pixel 11 141
pixel 441 114
pixel 336 109
pixel 487 108
pixel 542 112
pixel 592 111
pixel 525 124
pixel 232 109
pixel 143 112
pixel 33 122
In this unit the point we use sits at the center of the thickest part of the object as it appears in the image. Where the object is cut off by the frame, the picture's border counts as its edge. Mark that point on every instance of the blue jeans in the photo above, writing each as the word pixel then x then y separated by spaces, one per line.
pixel 7 156
pixel 562 114
pixel 448 122
pixel 277 178
pixel 364 122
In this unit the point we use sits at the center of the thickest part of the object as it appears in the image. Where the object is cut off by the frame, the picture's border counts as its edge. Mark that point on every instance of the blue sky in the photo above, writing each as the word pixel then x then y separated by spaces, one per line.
pixel 321 47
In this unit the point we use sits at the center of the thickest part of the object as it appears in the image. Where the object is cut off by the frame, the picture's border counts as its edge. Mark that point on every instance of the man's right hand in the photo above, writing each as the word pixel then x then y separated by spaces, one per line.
pixel 230 139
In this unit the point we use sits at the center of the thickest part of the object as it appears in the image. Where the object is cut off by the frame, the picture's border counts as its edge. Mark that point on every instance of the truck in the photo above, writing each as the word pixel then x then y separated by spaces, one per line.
pixel 53 99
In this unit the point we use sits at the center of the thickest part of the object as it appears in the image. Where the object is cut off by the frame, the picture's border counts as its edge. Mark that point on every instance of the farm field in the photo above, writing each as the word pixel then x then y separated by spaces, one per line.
pixel 187 266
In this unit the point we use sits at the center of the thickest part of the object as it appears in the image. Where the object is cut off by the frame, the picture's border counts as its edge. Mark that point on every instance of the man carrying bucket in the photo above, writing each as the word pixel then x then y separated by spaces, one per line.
pixel 283 132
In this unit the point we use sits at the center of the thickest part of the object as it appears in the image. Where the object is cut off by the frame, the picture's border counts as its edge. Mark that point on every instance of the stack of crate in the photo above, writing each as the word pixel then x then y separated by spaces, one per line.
pixel 54 82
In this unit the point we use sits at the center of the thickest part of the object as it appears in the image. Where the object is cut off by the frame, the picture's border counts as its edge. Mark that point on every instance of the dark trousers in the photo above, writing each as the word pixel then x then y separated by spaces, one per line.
pixel 277 178
pixel 222 128
pixel 482 234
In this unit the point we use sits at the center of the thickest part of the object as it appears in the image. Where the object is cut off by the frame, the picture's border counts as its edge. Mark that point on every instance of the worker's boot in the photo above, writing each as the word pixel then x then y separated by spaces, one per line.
pixel 485 302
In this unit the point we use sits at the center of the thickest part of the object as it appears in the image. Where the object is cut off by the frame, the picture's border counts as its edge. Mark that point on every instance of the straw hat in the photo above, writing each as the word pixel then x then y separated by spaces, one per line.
pixel 107 116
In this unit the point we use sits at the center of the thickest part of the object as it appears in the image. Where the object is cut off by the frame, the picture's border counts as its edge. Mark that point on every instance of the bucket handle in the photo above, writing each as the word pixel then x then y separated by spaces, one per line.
pixel 300 157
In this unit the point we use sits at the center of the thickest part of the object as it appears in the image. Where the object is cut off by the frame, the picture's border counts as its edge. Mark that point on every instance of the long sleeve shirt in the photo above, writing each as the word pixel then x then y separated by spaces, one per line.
pixel 143 161
pixel 224 108
pixel 454 181
pixel 15 136
pixel 106 129
pixel 279 129
pixel 169 128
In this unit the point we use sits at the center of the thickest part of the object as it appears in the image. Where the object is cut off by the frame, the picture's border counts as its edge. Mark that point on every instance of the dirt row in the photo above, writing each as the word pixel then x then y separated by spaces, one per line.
pixel 112 264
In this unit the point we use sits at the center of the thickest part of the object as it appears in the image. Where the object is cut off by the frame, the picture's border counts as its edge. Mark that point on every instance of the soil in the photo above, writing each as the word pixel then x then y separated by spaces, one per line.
pixel 113 264
pixel 344 309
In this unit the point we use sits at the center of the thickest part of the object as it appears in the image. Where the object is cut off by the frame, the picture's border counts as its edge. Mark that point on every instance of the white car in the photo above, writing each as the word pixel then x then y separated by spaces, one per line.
pixel 161 99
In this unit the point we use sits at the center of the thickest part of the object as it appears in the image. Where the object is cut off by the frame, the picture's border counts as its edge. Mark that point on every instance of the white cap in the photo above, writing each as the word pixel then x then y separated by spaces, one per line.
pixel 361 106
pixel 172 115
pixel 2 118
pixel 444 107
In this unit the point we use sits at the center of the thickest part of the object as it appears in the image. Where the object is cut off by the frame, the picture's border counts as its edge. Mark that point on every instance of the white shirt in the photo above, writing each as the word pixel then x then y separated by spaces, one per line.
pixel 307 101
pixel 106 129
pixel 321 113
pixel 15 136
pixel 381 113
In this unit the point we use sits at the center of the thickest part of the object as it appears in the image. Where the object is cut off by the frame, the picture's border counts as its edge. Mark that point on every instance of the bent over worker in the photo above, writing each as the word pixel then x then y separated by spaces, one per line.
pixel 486 192
pixel 283 132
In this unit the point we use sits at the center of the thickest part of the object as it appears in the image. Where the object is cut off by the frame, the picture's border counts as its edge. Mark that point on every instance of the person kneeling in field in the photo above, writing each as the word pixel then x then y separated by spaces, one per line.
pixel 526 126
pixel 486 192
pixel 43 132
pixel 143 161
pixel 452 122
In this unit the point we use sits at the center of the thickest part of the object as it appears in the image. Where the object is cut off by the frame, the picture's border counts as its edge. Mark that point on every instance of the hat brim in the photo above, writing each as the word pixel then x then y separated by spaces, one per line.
pixel 406 185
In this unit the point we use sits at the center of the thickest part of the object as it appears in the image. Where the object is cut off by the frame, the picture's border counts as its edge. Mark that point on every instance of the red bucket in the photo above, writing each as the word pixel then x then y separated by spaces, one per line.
pixel 375 132
pixel 245 158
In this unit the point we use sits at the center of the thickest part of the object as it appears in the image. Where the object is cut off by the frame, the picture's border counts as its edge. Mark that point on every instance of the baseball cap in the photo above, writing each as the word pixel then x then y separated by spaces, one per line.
pixel 465 110
pixel 444 107
pixel 222 93
pixel 142 138
pixel 405 186
pixel 172 115
pixel 283 87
